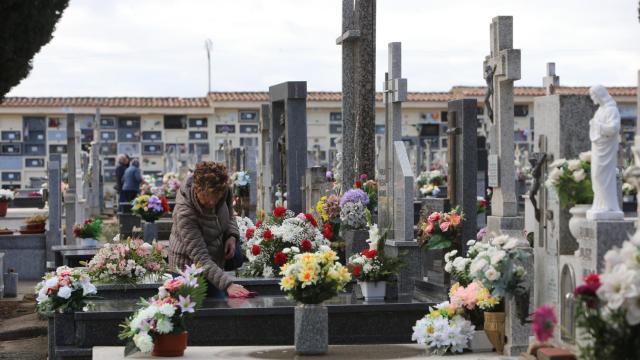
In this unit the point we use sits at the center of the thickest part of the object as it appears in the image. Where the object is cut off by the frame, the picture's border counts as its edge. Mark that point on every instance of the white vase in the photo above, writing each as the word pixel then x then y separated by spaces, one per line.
pixel 373 290
pixel 89 242
pixel 578 216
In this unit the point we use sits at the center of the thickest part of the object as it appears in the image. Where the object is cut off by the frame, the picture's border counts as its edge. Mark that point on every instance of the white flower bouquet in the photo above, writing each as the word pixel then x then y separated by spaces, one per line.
pixel 353 215
pixel 443 330
pixel 127 261
pixel 65 290
pixel 6 195
pixel 166 312
pixel 572 180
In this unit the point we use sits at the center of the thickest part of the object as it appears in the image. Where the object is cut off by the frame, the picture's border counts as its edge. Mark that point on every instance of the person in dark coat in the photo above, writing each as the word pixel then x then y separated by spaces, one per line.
pixel 131 181
pixel 123 164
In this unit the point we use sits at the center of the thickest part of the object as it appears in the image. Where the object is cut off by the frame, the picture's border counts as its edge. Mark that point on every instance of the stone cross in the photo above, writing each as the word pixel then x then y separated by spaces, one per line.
pixel 358 41
pixel 506 62
pixel 54 235
pixel 395 92
pixel 551 82
pixel 70 198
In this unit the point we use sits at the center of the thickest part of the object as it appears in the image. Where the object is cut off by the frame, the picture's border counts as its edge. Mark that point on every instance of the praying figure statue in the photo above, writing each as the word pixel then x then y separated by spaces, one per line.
pixel 604 131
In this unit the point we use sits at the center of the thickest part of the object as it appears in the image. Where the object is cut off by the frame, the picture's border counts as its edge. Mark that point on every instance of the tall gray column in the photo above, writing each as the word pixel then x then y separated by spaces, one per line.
pixel 70 198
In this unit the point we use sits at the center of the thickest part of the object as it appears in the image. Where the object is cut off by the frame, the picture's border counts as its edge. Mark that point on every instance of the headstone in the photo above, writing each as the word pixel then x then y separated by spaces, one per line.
pixel 70 197
pixel 358 42
pixel 502 68
pixel 462 118
pixel 265 189
pixel 315 186
pixel 54 235
pixel 289 139
pixel 562 133
pixel 95 169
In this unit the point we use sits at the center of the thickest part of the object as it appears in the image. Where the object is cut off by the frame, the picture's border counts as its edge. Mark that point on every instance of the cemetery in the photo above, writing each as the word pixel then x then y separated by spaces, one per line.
pixel 149 227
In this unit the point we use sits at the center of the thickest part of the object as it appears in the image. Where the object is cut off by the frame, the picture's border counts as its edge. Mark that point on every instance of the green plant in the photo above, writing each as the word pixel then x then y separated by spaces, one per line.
pixel 37 219
pixel 90 229
pixel 572 180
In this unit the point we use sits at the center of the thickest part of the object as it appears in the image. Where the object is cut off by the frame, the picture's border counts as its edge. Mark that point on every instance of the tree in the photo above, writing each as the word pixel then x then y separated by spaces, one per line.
pixel 25 27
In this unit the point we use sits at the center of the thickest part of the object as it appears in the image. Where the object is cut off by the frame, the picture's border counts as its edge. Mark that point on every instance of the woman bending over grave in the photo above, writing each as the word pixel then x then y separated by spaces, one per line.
pixel 204 229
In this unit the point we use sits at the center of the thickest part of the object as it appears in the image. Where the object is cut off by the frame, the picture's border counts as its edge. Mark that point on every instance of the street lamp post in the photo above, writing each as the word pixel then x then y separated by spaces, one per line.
pixel 208 45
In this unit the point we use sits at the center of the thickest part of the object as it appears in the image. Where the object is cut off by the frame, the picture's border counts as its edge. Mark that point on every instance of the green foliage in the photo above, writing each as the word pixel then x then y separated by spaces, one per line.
pixel 571 192
pixel 25 27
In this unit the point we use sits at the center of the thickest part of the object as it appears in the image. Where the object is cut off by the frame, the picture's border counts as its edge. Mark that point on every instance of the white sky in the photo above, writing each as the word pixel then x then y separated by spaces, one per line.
pixel 156 47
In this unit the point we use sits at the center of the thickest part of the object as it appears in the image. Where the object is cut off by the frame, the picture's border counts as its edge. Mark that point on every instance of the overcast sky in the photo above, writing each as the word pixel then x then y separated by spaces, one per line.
pixel 156 47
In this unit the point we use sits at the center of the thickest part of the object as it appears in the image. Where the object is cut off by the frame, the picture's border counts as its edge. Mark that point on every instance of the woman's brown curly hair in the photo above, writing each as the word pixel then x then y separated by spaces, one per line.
pixel 211 177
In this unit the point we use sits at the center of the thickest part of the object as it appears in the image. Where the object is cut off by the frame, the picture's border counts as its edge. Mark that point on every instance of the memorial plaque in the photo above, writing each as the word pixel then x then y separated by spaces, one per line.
pixel 493 171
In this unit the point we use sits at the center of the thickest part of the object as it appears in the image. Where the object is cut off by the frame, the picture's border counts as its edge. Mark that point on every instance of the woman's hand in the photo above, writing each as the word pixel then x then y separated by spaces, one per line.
pixel 236 290
pixel 230 248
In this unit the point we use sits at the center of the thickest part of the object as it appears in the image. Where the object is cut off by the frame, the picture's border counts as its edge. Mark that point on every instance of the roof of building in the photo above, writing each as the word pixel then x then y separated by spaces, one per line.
pixel 262 96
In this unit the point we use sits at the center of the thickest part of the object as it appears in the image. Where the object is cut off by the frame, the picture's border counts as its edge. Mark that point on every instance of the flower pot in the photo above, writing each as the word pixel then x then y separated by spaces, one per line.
pixel 35 227
pixel 169 345
pixel 150 230
pixel 373 290
pixel 578 217
pixel 311 335
pixel 494 328
pixel 88 242
pixel 4 205
pixel 10 284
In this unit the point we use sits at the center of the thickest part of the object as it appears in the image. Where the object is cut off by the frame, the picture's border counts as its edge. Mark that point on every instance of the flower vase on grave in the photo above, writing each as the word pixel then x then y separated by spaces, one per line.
pixel 89 242
pixel 373 290
pixel 578 217
pixel 311 335
pixel 169 345
pixel 495 330
pixel 150 231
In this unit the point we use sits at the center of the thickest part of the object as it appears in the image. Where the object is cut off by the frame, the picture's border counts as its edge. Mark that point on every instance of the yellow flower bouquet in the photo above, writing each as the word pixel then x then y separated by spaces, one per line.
pixel 311 278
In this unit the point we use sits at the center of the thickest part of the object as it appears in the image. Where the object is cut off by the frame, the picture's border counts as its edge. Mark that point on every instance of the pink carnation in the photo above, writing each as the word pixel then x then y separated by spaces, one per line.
pixel 444 226
pixel 544 322
pixel 173 284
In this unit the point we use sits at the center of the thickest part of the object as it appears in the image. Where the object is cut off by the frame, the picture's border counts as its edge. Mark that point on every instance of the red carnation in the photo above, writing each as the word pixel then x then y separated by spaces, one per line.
pixel 280 258
pixel 255 250
pixel 87 222
pixel 327 231
pixel 370 253
pixel 589 289
pixel 311 219
pixel 358 184
pixel 356 271
pixel 249 233
pixel 258 224
pixel 76 231
pixel 306 245
pixel 267 235
pixel 279 212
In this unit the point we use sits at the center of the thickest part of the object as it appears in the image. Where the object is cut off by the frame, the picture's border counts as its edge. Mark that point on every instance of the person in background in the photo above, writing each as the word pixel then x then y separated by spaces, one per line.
pixel 123 164
pixel 204 229
pixel 131 181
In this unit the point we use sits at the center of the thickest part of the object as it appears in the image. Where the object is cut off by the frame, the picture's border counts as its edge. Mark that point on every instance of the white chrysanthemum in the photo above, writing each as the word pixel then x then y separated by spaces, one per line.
pixel 64 292
pixel 460 263
pixel 574 164
pixel 585 156
pixel 164 326
pixel 477 265
pixel 617 286
pixel 579 175
pixel 267 272
pixel 450 254
pixel 471 242
pixel 492 274
pixel 143 341
pixel 497 257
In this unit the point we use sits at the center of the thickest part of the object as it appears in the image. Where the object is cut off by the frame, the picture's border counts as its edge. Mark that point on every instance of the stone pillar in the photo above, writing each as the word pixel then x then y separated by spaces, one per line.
pixel 95 168
pixel 54 235
pixel 289 127
pixel 70 198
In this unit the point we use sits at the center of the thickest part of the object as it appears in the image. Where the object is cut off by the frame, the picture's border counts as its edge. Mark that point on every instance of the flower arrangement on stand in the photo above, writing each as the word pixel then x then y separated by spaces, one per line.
pixel 372 268
pixel 88 232
pixel 370 187
pixel 128 261
pixel 6 196
pixel 440 230
pixel 64 290
pixel 571 180
pixel 443 330
pixel 328 211
pixel 150 207
pixel 310 279
pixel 278 238
pixel 354 214
pixel 429 183
pixel 608 306
pixel 170 185
pixel 159 326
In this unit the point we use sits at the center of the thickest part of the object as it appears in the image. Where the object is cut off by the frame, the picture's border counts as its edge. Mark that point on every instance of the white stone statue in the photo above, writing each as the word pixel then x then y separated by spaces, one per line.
pixel 604 131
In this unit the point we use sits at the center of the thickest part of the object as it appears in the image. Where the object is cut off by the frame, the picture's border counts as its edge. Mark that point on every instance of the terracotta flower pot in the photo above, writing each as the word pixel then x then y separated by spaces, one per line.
pixel 4 205
pixel 35 227
pixel 169 345
pixel 494 328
